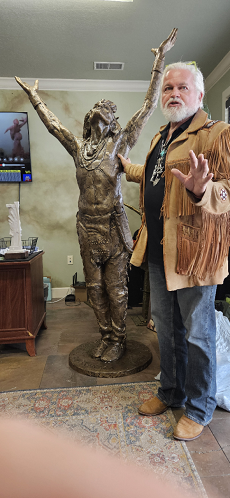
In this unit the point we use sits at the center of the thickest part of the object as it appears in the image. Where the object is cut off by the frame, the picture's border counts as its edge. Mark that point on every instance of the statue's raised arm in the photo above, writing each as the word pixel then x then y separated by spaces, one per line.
pixel 136 124
pixel 52 123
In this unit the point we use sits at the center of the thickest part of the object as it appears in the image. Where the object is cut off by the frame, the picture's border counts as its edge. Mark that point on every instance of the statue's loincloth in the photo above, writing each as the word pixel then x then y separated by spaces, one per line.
pixel 98 235
pixel 103 234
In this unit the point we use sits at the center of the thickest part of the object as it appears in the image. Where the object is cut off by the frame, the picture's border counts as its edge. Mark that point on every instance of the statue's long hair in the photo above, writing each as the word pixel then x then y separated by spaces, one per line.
pixel 114 126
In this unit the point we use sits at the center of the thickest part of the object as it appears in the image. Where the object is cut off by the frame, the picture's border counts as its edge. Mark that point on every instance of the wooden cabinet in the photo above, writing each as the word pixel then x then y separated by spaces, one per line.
pixel 22 309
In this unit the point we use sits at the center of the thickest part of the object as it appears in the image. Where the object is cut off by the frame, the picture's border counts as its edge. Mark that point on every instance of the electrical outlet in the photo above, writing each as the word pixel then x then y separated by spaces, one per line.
pixel 70 260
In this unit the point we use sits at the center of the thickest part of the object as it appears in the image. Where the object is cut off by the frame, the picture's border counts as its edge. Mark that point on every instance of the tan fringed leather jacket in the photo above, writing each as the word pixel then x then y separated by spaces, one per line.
pixel 196 234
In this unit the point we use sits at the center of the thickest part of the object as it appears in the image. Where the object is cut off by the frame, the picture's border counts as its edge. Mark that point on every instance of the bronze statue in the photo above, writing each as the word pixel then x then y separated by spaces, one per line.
pixel 102 225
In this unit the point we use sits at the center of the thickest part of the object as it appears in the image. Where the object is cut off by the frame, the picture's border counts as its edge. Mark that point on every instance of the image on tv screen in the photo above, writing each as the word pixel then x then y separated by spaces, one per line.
pixel 15 162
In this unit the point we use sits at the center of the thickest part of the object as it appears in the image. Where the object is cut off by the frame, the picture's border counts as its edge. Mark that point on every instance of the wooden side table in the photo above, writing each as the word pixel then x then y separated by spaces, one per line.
pixel 22 307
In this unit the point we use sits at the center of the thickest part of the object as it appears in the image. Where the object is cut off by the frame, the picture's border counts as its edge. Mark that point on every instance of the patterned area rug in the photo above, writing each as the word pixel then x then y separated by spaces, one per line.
pixel 106 416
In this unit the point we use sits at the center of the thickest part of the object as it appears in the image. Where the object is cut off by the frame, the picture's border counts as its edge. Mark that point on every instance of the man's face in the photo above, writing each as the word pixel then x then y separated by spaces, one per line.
pixel 101 112
pixel 180 98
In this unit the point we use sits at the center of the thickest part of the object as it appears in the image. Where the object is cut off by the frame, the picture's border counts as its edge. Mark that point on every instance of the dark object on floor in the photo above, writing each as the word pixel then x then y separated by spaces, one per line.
pixel 69 297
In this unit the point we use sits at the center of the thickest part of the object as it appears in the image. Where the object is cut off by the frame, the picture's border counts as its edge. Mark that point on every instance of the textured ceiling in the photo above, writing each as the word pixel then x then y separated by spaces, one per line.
pixel 62 38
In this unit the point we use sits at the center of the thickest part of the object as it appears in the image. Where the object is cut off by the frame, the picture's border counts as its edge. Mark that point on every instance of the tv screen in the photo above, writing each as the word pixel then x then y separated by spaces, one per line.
pixel 15 162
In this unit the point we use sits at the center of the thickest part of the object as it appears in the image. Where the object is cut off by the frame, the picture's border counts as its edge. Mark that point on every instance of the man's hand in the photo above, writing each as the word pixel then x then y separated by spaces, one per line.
pixel 27 88
pixel 124 162
pixel 197 179
pixel 166 45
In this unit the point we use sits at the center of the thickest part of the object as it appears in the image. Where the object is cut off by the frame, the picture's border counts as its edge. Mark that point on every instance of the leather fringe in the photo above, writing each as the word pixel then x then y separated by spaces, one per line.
pixel 216 156
pixel 187 244
pixel 184 206
pixel 217 166
pixel 215 235
pixel 204 254
pixel 214 244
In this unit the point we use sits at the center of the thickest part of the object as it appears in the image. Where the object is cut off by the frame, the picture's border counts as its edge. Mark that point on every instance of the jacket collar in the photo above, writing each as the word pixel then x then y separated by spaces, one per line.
pixel 198 121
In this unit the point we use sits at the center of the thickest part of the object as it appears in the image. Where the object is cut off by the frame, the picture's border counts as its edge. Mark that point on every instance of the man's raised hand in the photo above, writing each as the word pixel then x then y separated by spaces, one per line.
pixel 197 179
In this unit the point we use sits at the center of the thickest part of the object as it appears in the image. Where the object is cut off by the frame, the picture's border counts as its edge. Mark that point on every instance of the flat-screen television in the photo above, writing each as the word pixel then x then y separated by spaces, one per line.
pixel 15 161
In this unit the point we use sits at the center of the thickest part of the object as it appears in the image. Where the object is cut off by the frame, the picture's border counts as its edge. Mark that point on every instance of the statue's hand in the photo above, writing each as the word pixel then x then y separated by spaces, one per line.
pixel 166 45
pixel 27 88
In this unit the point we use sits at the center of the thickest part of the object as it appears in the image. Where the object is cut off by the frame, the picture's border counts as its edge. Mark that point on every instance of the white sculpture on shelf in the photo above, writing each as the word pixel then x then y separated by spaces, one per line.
pixel 15 228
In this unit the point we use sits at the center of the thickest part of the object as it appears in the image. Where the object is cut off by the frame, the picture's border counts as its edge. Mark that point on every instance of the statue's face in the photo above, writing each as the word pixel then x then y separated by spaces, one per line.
pixel 16 121
pixel 101 112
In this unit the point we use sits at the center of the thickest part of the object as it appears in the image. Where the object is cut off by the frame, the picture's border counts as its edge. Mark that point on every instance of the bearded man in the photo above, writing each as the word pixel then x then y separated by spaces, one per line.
pixel 185 197
pixel 103 231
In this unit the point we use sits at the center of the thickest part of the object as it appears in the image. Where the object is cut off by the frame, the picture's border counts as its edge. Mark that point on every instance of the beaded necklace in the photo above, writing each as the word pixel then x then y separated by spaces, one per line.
pixel 160 164
pixel 92 156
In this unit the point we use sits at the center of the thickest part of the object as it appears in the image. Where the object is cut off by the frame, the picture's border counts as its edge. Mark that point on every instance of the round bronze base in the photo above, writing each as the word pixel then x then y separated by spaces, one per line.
pixel 137 357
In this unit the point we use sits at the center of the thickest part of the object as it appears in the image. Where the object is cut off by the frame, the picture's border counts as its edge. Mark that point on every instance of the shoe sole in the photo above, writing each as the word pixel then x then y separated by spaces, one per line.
pixel 152 414
pixel 187 439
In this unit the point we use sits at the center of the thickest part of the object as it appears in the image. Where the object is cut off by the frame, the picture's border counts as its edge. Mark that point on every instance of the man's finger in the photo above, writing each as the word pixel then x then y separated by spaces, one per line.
pixel 177 173
pixel 123 160
pixel 203 165
pixel 193 159
pixel 208 178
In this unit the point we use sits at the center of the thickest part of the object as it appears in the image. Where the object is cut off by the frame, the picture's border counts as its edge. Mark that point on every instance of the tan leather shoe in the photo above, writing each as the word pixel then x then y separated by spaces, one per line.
pixel 187 429
pixel 152 407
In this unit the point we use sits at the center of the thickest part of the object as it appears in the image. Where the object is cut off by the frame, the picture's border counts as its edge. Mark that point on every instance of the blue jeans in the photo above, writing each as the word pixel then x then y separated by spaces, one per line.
pixel 186 329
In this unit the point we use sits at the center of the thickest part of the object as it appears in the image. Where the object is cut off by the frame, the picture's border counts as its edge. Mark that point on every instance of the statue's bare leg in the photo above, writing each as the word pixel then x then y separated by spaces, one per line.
pixel 116 286
pixel 95 290
pixel 105 269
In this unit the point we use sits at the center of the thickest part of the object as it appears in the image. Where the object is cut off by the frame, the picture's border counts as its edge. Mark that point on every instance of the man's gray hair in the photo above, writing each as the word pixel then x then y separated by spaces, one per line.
pixel 193 68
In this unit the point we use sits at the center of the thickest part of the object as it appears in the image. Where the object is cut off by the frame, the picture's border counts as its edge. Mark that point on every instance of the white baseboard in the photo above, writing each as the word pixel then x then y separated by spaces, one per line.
pixel 59 292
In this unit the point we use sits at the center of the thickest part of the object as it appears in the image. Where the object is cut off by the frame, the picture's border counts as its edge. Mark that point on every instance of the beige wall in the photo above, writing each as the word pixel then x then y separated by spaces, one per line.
pixel 49 204
pixel 214 96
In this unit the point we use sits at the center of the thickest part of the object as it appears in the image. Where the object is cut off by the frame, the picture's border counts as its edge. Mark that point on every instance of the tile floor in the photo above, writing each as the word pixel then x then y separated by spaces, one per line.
pixel 70 326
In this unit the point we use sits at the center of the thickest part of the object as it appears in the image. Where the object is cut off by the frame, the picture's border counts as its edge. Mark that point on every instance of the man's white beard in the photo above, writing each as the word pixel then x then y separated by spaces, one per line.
pixel 175 115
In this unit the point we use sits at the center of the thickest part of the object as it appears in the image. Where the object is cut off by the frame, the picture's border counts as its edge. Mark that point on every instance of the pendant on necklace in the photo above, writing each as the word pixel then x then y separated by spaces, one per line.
pixel 154 182
pixel 156 175
pixel 159 167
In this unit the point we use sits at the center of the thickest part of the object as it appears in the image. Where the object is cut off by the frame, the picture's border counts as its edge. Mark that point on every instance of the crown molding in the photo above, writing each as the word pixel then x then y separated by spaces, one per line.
pixel 218 72
pixel 79 85
pixel 84 85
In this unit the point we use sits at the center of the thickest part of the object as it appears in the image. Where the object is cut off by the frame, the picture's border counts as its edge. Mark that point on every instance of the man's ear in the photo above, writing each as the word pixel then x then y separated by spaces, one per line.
pixel 200 97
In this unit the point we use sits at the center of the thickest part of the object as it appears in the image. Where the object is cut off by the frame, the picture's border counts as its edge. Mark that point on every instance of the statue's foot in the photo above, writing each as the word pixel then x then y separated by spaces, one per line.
pixel 101 349
pixel 114 352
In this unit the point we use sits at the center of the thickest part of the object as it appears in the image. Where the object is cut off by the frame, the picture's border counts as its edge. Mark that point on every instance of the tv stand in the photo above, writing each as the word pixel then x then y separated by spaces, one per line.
pixel 22 307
